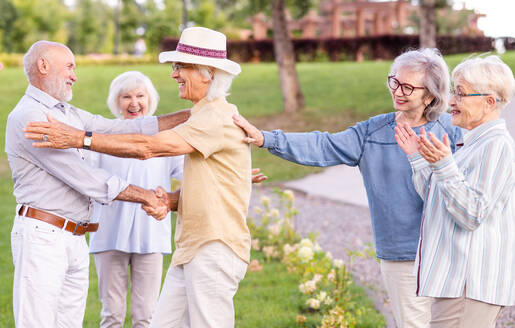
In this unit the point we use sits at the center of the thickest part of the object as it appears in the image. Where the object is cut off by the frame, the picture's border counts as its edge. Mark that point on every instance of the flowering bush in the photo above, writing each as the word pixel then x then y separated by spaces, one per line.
pixel 324 281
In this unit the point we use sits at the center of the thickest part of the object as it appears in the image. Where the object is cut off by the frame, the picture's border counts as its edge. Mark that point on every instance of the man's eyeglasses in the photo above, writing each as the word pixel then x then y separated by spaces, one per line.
pixel 459 96
pixel 406 89
pixel 179 66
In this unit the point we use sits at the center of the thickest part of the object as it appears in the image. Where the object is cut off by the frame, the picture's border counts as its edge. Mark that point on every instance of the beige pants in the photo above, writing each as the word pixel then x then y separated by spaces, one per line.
pixel 463 312
pixel 409 310
pixel 200 294
pixel 113 282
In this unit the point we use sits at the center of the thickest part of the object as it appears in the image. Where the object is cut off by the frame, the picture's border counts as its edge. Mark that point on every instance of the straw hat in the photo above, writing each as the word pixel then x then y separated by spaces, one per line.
pixel 203 46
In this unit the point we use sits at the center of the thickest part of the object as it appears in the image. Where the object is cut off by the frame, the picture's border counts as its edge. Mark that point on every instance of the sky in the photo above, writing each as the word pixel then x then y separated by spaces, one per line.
pixel 500 15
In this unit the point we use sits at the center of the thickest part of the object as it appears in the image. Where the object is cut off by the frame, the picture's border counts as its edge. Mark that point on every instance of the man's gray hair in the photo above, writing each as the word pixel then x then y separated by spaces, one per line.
pixel 220 82
pixel 487 75
pixel 429 62
pixel 126 82
pixel 36 51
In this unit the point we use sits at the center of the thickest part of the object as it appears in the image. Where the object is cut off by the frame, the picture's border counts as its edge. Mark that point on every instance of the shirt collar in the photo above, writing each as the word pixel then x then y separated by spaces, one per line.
pixel 202 102
pixel 45 99
pixel 478 131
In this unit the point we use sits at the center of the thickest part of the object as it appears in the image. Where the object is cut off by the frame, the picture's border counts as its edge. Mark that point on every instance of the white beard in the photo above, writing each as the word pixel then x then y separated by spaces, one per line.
pixel 56 87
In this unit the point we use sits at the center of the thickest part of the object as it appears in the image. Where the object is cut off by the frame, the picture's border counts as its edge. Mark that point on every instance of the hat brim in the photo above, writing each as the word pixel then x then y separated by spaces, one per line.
pixel 224 64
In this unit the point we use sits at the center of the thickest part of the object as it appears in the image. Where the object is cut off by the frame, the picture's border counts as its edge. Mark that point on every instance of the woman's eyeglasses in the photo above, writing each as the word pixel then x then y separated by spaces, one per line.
pixel 406 88
pixel 459 96
pixel 179 66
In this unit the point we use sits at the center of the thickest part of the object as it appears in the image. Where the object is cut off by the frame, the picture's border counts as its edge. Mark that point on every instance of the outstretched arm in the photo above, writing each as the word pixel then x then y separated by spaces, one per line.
pixel 55 134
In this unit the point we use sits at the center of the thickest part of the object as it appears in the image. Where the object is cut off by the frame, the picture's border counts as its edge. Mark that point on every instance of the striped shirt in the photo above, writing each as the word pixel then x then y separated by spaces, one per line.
pixel 468 229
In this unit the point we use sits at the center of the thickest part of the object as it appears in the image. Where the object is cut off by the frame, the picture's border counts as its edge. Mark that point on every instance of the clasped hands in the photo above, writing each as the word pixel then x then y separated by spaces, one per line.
pixel 427 144
pixel 157 203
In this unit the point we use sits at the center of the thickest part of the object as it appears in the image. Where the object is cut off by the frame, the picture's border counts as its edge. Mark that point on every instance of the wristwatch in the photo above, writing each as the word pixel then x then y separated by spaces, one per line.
pixel 87 140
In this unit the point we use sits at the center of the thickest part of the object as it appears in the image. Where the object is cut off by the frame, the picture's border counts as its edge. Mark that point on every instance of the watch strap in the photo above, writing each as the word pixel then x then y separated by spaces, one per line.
pixel 87 140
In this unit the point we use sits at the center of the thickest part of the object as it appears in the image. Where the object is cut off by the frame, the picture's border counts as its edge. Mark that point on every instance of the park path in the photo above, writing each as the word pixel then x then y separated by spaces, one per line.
pixel 334 204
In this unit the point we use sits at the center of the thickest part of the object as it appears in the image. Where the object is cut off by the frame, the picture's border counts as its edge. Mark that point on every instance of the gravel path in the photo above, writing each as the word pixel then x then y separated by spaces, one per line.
pixel 342 227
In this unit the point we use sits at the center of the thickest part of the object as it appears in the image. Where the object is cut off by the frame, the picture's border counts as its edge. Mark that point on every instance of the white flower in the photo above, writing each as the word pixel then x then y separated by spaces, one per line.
pixel 287 249
pixel 338 263
pixel 289 194
pixel 313 303
pixel 269 251
pixel 255 244
pixel 329 256
pixel 317 248
pixel 306 242
pixel 331 276
pixel 265 200
pixel 321 296
pixel 274 213
pixel 257 210
pixel 328 301
pixel 310 286
pixel 274 229
pixel 305 254
pixel 317 277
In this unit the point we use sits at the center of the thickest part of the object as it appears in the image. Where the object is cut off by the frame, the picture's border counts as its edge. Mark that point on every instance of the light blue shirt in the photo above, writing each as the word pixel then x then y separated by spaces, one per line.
pixel 395 206
pixel 59 180
pixel 125 226
pixel 468 230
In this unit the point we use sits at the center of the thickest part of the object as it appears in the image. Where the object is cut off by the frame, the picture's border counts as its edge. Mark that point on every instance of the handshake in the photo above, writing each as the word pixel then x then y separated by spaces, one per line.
pixel 158 202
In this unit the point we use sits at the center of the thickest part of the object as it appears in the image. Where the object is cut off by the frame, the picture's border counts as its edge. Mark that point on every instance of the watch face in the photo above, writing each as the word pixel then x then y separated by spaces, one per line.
pixel 87 141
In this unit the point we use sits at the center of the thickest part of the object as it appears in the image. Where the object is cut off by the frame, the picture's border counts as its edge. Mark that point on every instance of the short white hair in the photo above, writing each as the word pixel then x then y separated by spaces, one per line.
pixel 429 62
pixel 487 75
pixel 126 82
pixel 36 51
pixel 220 82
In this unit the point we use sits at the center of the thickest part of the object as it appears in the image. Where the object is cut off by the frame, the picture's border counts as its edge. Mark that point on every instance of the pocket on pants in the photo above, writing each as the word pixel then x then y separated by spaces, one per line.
pixel 42 234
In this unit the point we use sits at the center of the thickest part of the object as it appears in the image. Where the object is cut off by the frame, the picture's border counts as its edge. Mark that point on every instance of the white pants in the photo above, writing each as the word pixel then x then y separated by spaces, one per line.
pixel 113 282
pixel 50 275
pixel 200 294
pixel 409 310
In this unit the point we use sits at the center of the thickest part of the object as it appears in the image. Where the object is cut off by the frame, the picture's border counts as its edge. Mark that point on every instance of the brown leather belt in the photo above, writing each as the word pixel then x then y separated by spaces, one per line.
pixel 74 228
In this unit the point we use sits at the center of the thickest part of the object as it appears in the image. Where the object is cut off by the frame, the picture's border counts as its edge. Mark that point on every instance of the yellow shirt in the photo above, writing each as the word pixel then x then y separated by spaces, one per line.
pixel 216 185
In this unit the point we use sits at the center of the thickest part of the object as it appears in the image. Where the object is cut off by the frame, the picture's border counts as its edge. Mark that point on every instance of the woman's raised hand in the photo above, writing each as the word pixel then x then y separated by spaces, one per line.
pixel 406 138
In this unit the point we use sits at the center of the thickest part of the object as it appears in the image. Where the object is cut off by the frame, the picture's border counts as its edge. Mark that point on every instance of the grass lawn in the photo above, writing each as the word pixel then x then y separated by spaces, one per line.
pixel 337 95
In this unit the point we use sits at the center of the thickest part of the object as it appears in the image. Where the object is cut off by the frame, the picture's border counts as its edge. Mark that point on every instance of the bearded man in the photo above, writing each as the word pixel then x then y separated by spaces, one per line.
pixel 54 190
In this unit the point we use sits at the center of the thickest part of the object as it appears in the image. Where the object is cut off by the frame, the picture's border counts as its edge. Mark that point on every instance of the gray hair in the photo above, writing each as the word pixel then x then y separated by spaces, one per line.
pixel 220 82
pixel 488 75
pixel 429 62
pixel 126 82
pixel 36 51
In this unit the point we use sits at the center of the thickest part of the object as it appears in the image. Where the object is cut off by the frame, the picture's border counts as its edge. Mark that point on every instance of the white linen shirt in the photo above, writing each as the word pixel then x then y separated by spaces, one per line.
pixel 468 228
pixel 59 180
pixel 125 226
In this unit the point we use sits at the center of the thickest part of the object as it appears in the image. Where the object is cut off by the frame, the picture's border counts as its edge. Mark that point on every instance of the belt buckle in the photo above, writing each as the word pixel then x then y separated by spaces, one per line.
pixel 84 224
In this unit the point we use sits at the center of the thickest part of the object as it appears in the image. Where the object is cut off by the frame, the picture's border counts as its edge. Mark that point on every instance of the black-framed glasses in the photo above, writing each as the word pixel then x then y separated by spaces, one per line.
pixel 406 88
pixel 458 95
pixel 179 66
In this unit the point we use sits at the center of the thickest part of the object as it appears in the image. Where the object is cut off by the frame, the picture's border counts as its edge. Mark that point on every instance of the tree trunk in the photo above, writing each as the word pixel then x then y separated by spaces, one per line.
pixel 427 24
pixel 293 98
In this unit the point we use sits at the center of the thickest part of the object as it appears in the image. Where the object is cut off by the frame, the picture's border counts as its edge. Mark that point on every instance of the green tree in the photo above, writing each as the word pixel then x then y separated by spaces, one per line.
pixel 8 16
pixel 293 98
pixel 90 27
pixel 160 23
pixel 37 20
